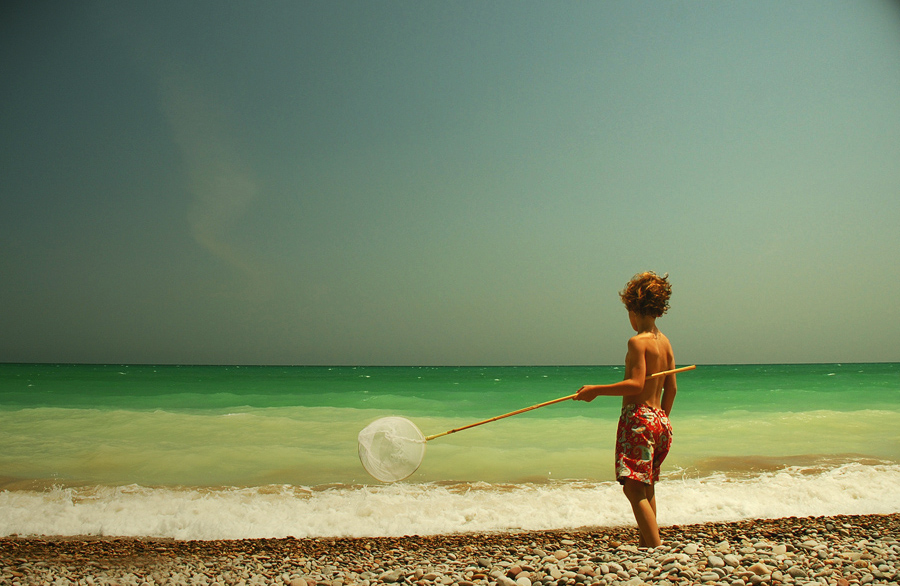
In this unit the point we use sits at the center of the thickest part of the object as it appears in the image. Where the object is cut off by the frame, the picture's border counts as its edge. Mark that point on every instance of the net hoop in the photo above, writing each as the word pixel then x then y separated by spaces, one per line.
pixel 391 448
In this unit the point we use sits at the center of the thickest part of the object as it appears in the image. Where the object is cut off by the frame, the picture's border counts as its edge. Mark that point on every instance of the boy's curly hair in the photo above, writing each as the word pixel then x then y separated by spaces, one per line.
pixel 647 294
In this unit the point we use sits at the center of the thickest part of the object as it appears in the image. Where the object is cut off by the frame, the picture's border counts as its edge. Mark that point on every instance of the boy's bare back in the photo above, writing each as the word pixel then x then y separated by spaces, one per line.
pixel 648 353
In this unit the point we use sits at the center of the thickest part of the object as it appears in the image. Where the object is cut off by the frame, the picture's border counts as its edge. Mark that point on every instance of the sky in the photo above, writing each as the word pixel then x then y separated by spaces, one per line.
pixel 447 183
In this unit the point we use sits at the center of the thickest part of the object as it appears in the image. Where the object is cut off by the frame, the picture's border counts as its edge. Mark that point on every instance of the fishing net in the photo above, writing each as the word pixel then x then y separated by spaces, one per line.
pixel 391 448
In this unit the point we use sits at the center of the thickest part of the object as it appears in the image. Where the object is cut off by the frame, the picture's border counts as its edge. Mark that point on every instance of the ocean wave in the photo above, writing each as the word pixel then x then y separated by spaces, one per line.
pixel 440 508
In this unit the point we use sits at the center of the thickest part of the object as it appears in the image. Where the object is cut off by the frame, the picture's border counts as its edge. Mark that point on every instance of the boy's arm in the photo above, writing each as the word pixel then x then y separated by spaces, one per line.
pixel 669 387
pixel 635 372
pixel 668 397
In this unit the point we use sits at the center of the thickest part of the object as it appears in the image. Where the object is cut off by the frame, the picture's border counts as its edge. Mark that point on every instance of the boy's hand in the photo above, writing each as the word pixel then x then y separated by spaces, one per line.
pixel 584 394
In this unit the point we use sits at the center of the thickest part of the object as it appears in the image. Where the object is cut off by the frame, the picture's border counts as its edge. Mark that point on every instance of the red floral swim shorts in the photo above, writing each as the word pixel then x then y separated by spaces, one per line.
pixel 642 443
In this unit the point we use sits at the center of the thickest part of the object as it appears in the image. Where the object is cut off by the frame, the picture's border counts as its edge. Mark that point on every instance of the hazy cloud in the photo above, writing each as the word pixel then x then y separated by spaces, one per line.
pixel 222 185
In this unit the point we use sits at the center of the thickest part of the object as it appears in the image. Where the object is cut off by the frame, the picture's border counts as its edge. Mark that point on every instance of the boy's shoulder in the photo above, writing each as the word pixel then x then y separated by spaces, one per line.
pixel 640 341
pixel 649 339
pixel 646 337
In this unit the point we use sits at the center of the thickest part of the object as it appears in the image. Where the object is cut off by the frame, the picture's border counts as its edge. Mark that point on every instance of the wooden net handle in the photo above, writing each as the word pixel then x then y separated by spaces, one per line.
pixel 539 405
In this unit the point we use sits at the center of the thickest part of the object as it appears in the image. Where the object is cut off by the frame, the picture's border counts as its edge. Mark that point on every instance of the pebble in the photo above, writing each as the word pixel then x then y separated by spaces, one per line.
pixel 835 551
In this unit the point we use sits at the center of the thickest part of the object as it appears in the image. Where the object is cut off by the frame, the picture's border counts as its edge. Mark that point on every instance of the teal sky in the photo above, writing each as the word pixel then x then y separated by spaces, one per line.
pixel 447 183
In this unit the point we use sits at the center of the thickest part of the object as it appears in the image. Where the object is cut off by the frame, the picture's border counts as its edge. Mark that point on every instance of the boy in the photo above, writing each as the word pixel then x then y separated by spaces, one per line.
pixel 644 434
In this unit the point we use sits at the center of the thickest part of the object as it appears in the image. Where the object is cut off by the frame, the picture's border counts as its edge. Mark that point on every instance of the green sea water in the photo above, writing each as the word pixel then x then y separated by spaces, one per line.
pixel 213 452
pixel 253 425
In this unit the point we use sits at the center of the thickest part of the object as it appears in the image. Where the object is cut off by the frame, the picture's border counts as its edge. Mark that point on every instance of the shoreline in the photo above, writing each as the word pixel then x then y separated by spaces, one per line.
pixel 840 550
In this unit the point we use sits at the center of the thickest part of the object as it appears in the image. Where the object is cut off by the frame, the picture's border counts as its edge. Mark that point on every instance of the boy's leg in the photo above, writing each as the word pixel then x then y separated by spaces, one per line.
pixel 643 504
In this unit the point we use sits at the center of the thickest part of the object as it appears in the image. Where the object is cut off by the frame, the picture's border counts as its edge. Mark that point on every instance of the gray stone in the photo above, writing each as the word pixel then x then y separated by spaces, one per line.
pixel 391 577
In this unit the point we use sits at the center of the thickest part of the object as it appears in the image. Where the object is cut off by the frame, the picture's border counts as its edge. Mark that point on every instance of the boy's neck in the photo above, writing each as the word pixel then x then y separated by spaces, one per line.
pixel 644 324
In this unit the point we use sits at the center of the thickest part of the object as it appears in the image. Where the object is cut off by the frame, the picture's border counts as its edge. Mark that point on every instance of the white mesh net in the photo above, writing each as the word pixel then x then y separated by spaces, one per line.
pixel 391 448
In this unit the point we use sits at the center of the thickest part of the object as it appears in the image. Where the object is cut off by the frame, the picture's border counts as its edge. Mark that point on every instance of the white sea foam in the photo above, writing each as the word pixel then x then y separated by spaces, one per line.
pixel 401 509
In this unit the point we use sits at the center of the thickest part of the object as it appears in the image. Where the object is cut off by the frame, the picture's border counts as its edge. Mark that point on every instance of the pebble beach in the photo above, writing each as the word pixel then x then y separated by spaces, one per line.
pixel 840 551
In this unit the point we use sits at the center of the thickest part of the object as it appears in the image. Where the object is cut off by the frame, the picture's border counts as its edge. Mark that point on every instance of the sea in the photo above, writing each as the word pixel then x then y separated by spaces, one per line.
pixel 235 452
